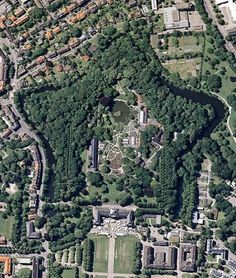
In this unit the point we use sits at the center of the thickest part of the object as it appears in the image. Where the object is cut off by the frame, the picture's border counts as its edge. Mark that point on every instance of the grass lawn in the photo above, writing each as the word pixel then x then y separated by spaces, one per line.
pixel 100 260
pixel 186 275
pixel 111 195
pixel 82 275
pixel 227 84
pixel 221 216
pixel 68 273
pixel 6 226
pixel 186 68
pixel 124 254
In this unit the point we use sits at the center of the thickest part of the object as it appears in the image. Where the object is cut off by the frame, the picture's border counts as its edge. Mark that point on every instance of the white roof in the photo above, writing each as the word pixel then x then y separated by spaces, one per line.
pixel 232 7
pixel 169 20
pixel 154 5
pixel 219 2
pixel 24 260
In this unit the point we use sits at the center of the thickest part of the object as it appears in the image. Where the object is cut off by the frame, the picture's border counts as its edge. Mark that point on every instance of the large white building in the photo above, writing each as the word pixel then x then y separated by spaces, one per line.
pixel 154 5
pixel 230 8
pixel 175 19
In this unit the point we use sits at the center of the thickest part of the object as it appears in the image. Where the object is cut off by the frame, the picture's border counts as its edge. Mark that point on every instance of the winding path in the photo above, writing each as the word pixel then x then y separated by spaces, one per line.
pixel 230 112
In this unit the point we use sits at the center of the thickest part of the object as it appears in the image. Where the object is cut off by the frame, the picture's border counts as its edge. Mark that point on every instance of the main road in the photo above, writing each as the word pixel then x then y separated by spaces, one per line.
pixel 209 9
pixel 25 129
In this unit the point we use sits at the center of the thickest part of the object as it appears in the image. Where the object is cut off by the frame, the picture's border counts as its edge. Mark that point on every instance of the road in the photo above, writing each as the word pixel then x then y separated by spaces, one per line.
pixel 25 129
pixel 208 7
pixel 111 256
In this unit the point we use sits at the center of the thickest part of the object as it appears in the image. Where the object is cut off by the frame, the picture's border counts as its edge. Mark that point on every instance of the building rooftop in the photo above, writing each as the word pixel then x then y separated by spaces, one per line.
pixel 175 19
pixel 7 264
pixel 160 257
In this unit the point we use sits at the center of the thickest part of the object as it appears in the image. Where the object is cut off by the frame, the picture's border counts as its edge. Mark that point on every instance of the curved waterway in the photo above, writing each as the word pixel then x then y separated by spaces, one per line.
pixel 219 110
pixel 203 99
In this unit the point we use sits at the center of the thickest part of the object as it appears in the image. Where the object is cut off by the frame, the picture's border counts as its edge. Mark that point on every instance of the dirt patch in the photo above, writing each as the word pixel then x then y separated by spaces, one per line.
pixel 12 189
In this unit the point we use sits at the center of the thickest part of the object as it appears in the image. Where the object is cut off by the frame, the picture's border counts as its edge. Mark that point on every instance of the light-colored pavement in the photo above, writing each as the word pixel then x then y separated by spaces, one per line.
pixel 209 9
pixel 230 111
pixel 27 130
pixel 111 257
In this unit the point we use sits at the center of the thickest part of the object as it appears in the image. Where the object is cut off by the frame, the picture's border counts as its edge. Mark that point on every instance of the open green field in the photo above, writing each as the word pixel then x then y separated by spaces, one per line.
pixel 6 226
pixel 100 260
pixel 181 45
pixel 227 84
pixel 68 273
pixel 124 254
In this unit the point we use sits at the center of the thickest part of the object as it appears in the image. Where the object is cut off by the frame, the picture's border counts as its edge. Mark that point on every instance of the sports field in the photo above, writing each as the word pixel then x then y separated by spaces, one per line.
pixel 124 254
pixel 68 273
pixel 100 260
pixel 6 226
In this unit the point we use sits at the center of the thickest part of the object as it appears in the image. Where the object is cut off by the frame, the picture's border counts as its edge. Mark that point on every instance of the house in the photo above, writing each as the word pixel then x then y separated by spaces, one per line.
pixel 156 217
pixel 21 20
pixel 218 273
pixel 19 12
pixel 115 213
pixel 30 231
pixel 6 134
pixel 92 7
pixel 51 54
pixel 37 166
pixel 154 5
pixel 160 257
pixel 56 30
pixel 21 71
pixel 3 240
pixel 183 6
pixel 143 116
pixel 35 271
pixel 81 15
pixel 81 2
pixel 94 153
pixel 231 31
pixel 49 35
pixel 24 260
pixel 132 3
pixel 63 50
pixel 148 256
pixel 212 249
pixel 100 2
pixel 175 19
pixel 198 218
pixel 132 139
pixel 59 68
pixel 158 138
pixel 3 69
pixel 231 264
pixel 187 260
pixel 7 264
pixel 92 48
pixel 15 125
pixel 33 202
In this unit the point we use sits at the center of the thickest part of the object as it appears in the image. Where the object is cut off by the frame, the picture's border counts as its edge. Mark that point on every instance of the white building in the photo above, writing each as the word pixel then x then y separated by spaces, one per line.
pixel 175 19
pixel 154 5
pixel 143 117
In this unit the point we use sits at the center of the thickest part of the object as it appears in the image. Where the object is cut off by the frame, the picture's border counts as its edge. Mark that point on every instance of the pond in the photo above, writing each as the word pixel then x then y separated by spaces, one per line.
pixel 233 78
pixel 120 112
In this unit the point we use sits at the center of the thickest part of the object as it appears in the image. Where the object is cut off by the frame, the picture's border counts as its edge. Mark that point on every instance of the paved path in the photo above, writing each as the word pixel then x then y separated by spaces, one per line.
pixel 209 9
pixel 230 111
pixel 111 256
